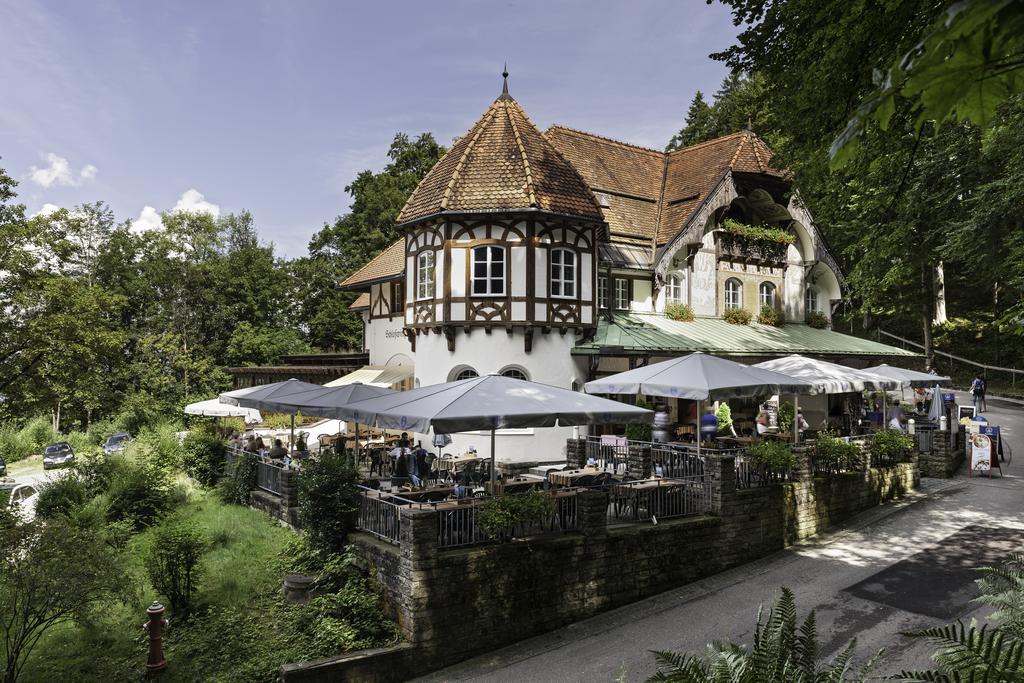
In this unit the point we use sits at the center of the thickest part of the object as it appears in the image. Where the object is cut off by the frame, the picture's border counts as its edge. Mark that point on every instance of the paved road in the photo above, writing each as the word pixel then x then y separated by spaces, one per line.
pixel 897 568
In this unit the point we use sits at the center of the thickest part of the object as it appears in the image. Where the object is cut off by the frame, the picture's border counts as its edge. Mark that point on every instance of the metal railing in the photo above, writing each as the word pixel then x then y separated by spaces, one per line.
pixel 750 474
pixel 380 515
pixel 268 477
pixel 458 525
pixel 824 466
pixel 662 499
pixel 671 460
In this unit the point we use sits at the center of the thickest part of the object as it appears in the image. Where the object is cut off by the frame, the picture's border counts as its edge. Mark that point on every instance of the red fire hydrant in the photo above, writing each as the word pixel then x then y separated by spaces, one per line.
pixel 156 626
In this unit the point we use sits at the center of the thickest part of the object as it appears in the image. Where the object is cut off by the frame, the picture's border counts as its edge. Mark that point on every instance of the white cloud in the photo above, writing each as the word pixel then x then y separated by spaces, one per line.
pixel 59 172
pixel 193 200
pixel 46 210
pixel 149 219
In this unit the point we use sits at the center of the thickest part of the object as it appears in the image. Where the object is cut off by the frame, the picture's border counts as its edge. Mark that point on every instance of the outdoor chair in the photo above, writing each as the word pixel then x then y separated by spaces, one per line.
pixel 587 480
pixel 604 480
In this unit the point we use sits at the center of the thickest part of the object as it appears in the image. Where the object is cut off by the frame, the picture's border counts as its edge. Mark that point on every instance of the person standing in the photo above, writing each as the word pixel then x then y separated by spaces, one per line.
pixel 984 389
pixel 977 391
pixel 708 424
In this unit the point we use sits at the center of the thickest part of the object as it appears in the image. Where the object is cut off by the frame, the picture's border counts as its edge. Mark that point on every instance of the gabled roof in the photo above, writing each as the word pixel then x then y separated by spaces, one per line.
pixel 362 301
pixel 502 163
pixel 387 265
pixel 652 194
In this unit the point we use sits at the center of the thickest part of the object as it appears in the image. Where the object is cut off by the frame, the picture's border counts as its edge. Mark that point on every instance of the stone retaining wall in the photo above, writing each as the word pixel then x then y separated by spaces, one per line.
pixel 452 604
pixel 943 460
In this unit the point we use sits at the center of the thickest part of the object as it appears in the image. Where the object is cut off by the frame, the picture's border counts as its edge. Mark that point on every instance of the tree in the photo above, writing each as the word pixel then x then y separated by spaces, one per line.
pixel 50 574
pixel 343 247
pixel 699 126
pixel 970 61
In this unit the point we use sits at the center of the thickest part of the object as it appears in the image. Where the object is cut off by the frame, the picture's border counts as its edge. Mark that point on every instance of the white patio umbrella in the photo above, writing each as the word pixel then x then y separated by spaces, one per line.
pixel 936 407
pixel 700 377
pixel 909 378
pixel 831 378
pixel 264 396
pixel 490 402
pixel 214 408
pixel 323 401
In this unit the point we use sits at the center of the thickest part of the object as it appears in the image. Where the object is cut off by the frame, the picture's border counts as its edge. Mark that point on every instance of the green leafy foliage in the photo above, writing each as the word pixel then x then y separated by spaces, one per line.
pixel 680 312
pixel 787 413
pixel 61 496
pixel 203 456
pixel 724 415
pixel 500 517
pixel 772 453
pixel 737 316
pixel 174 563
pixel 782 652
pixel 833 453
pixel 328 501
pixel 138 492
pixel 758 233
pixel 817 320
pixel 890 445
pixel 240 481
pixel 769 316
pixel 640 431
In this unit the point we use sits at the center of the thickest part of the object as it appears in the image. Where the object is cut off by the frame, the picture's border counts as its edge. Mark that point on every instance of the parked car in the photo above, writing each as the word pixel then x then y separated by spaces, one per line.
pixel 22 498
pixel 116 443
pixel 3 467
pixel 58 454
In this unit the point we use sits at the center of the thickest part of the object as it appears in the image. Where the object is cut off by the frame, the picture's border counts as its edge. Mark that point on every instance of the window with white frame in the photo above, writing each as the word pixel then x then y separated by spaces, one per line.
pixel 766 294
pixel 563 273
pixel 425 275
pixel 602 292
pixel 515 373
pixel 464 373
pixel 488 273
pixel 733 293
pixel 622 294
pixel 811 300
pixel 674 289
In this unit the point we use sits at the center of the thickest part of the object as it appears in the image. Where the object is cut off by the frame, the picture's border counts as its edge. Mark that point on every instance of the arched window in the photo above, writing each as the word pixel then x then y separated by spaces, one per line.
pixel 733 293
pixel 488 271
pixel 425 275
pixel 766 294
pixel 464 372
pixel 515 373
pixel 674 289
pixel 811 300
pixel 563 273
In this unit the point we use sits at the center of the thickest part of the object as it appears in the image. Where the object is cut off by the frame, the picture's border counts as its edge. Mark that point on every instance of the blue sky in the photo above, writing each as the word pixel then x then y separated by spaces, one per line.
pixel 275 106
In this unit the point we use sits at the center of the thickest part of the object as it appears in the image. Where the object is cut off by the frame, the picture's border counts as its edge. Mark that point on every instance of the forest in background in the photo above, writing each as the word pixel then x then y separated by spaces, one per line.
pixel 104 322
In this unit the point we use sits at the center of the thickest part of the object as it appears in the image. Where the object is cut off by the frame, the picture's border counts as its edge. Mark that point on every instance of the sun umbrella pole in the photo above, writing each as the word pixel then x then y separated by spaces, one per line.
pixel 357 445
pixel 700 407
pixel 494 474
pixel 796 419
pixel 292 442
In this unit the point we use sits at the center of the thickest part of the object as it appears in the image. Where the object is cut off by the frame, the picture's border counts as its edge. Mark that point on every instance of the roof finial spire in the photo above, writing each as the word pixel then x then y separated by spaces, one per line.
pixel 750 123
pixel 504 84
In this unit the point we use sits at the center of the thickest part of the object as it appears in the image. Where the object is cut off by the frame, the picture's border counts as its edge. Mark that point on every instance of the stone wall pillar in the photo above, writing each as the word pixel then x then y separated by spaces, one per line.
pixel 418 543
pixel 576 452
pixel 638 462
pixel 592 511
pixel 722 471
pixel 289 489
pixel 802 470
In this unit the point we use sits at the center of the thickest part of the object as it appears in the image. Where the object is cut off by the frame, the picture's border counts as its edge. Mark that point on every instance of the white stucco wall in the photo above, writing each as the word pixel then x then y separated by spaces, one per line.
pixel 384 340
pixel 549 362
pixel 793 297
pixel 704 281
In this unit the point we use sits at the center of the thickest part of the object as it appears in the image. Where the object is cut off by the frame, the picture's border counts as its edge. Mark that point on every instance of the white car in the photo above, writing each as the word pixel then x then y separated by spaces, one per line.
pixel 23 498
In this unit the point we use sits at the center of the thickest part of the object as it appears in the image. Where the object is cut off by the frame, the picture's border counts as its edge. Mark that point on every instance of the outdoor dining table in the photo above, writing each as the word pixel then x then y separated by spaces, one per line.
pixel 570 477
pixel 632 496
pixel 426 494
pixel 515 485
pixel 455 463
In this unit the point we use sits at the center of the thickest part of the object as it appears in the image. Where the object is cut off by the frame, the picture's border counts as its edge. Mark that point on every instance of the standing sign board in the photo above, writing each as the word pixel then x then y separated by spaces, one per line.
pixel 980 448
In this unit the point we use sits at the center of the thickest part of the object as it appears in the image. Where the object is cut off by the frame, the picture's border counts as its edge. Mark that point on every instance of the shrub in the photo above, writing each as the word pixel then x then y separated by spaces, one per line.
pixel 724 415
pixel 831 451
pixel 61 496
pixel 174 563
pixel 769 316
pixel 641 431
pixel 137 493
pixel 787 413
pixel 890 444
pixel 159 445
pixel 817 320
pixel 95 470
pixel 139 411
pixel 203 456
pixel 737 316
pixel 39 432
pixel 241 480
pixel 680 312
pixel 328 501
pixel 501 516
pixel 776 454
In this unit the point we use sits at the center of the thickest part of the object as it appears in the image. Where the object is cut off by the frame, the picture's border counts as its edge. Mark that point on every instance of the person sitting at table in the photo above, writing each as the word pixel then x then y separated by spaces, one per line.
pixel 420 455
pixel 404 442
pixel 708 424
pixel 278 452
pixel 801 423
pixel 401 473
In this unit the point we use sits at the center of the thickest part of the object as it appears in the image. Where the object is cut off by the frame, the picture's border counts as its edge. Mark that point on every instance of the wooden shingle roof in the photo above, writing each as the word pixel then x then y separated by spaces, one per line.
pixel 502 163
pixel 387 265
pixel 362 301
pixel 651 194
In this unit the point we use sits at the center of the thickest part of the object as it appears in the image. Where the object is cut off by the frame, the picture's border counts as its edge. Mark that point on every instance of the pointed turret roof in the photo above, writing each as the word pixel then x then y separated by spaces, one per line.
pixel 503 163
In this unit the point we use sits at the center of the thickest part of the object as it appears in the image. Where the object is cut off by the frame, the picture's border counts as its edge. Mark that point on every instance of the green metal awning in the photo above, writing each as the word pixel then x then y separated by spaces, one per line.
pixel 646 334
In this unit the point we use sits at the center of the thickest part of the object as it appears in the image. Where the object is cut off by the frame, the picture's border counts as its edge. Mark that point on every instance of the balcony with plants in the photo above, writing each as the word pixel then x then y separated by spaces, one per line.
pixel 754 243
